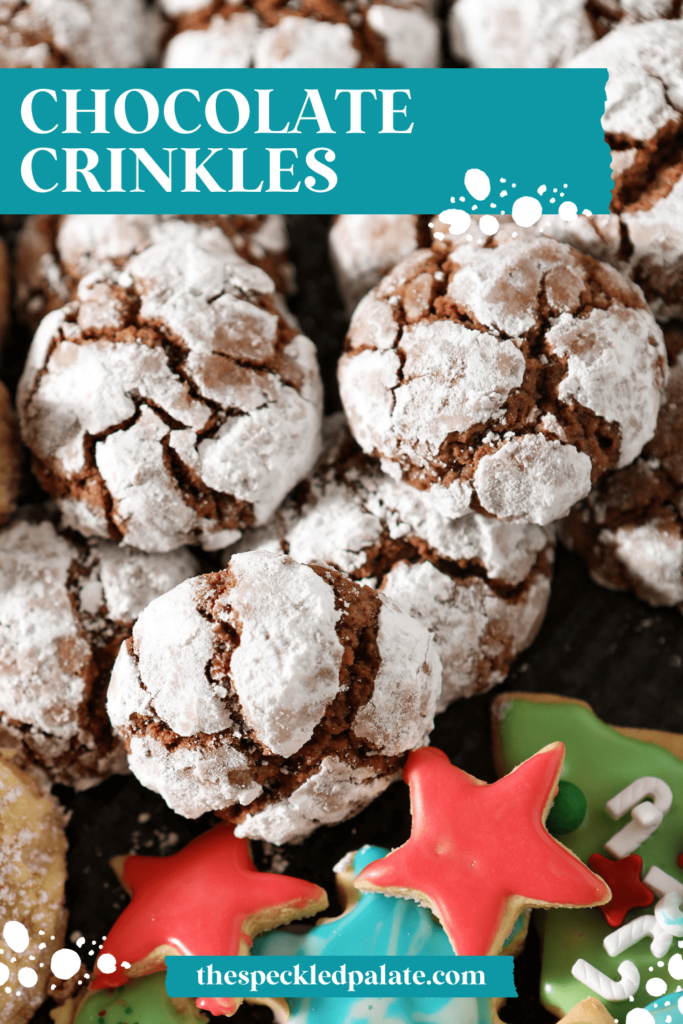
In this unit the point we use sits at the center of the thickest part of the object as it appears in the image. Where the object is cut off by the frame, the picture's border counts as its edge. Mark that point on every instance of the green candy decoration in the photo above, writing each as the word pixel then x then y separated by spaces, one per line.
pixel 568 809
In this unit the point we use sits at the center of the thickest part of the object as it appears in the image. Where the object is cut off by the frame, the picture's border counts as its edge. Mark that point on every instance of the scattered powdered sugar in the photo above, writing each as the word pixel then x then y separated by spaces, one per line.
pixel 336 792
pixel 399 715
pixel 532 479
pixel 285 670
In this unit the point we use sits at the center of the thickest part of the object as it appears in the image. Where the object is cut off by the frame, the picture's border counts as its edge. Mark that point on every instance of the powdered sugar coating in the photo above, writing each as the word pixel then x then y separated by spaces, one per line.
pixel 286 668
pixel 10 456
pixel 259 674
pixel 78 33
pixel 375 35
pixel 64 609
pixel 335 793
pixel 630 528
pixel 534 34
pixel 473 368
pixel 480 585
pixel 54 253
pixel 137 401
pixel 365 246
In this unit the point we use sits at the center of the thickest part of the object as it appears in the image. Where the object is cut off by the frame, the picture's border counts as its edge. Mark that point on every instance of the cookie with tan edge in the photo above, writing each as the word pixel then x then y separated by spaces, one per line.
pixel 32 878
pixel 487 841
pixel 10 456
pixel 283 696
pixel 53 253
pixel 506 378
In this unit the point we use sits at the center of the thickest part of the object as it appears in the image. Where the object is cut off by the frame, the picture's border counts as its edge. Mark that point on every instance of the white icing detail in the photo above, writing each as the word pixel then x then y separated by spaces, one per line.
pixel 336 792
pixel 285 670
pixel 532 478
pixel 400 714
pixel 615 991
pixel 662 926
pixel 646 816
pixel 661 883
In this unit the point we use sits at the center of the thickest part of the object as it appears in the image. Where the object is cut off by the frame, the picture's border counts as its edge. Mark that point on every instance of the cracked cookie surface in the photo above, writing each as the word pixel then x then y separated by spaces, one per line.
pixel 479 585
pixel 505 378
pixel 629 530
pixel 53 253
pixel 314 33
pixel 171 402
pixel 280 695
pixel 10 456
pixel 66 605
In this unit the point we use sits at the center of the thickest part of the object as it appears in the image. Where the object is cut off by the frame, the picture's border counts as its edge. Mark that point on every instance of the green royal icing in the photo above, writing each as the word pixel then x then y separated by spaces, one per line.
pixel 601 762
pixel 143 1001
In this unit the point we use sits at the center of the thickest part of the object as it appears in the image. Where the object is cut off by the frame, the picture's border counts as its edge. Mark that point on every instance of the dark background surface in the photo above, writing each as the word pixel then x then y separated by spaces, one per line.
pixel 609 649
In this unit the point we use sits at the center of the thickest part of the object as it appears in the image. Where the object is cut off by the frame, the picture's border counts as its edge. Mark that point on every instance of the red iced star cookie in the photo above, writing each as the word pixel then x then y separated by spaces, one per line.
pixel 479 854
pixel 623 878
pixel 208 899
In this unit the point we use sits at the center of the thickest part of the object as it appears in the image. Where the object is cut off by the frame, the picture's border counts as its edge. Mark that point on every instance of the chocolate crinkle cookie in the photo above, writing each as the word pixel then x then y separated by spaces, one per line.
pixel 538 33
pixel 643 122
pixel 629 531
pixel 53 253
pixel 78 34
pixel 65 607
pixel 283 696
pixel 10 456
pixel 309 34
pixel 506 378
pixel 481 586
pixel 172 402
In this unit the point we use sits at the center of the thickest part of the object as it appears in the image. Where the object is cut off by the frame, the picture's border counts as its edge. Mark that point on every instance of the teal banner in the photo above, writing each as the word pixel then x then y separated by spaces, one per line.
pixel 336 976
pixel 303 141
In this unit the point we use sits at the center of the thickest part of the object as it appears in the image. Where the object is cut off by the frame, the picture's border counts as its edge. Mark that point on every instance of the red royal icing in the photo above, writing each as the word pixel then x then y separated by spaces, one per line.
pixel 623 878
pixel 197 901
pixel 475 847
pixel 680 860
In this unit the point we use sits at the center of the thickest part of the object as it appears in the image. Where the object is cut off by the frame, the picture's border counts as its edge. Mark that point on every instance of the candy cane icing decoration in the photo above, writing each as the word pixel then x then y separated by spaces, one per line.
pixel 646 816
pixel 663 925
pixel 615 991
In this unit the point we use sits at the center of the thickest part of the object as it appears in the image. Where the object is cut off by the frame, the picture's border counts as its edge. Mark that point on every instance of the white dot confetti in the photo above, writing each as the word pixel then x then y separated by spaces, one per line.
pixel 656 986
pixel 542 189
pixel 458 221
pixel 477 183
pixel 15 935
pixel 107 964
pixel 568 211
pixel 526 211
pixel 27 977
pixel 65 963
pixel 676 966
pixel 488 224
pixel 639 1015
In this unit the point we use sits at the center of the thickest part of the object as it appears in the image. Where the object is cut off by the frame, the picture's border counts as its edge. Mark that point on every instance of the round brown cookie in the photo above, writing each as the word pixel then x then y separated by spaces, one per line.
pixel 65 607
pixel 503 378
pixel 479 585
pixel 629 530
pixel 32 878
pixel 537 34
pixel 53 253
pixel 78 34
pixel 172 402
pixel 313 33
pixel 10 456
pixel 643 124
pixel 280 695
